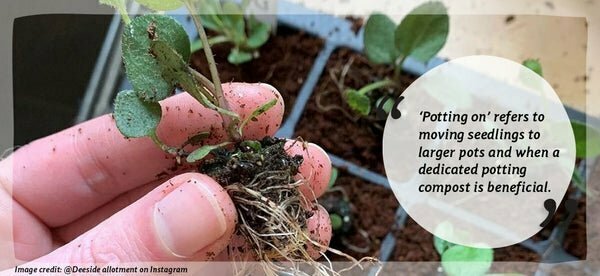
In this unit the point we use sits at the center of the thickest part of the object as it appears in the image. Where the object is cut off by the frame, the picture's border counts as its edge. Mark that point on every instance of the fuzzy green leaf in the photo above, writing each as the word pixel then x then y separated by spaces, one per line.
pixel 203 151
pixel 534 65
pixel 463 260
pixel 238 57
pixel 172 67
pixel 161 5
pixel 258 33
pixel 587 140
pixel 423 32
pixel 176 72
pixel 379 39
pixel 142 70
pixel 358 102
pixel 135 117
pixel 120 6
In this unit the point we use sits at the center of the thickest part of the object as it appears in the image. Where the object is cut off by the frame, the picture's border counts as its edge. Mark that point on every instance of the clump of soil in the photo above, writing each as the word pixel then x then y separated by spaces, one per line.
pixel 259 177
pixel 284 62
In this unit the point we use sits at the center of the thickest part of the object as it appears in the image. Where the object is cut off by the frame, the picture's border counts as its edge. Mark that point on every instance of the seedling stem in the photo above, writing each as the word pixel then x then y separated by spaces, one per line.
pixel 230 123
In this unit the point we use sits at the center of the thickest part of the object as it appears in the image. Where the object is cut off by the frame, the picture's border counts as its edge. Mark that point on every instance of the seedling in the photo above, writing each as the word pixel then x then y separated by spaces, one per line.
pixel 258 175
pixel 227 21
pixel 420 35
pixel 459 259
pixel 338 206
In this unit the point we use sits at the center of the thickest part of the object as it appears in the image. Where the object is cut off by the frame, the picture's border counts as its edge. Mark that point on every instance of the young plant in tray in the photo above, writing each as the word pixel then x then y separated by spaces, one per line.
pixel 258 175
pixel 461 260
pixel 420 35
pixel 227 21
pixel 340 209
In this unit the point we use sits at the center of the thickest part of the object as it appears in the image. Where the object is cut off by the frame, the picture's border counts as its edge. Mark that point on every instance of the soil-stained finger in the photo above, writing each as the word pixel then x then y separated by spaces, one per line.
pixel 61 177
pixel 316 168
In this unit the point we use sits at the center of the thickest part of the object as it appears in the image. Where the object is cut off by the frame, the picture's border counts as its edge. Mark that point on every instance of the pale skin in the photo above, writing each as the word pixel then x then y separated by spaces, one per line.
pixel 89 195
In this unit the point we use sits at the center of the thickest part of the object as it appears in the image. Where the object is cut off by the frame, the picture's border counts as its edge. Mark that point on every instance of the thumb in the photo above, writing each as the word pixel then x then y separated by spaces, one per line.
pixel 189 217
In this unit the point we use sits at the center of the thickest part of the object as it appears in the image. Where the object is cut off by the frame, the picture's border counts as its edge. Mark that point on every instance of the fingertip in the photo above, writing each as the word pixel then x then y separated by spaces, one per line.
pixel 322 164
pixel 245 98
pixel 319 226
pixel 224 205
pixel 316 168
pixel 194 216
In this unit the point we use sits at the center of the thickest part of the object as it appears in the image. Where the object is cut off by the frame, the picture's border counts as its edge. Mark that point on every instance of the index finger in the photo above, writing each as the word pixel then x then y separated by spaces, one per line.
pixel 66 175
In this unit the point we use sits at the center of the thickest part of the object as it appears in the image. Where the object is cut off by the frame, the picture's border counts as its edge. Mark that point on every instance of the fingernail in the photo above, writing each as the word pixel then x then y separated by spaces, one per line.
pixel 189 218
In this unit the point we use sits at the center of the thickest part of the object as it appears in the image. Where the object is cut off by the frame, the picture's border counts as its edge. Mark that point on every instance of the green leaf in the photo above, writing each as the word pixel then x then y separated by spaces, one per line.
pixel 211 22
pixel 161 5
pixel 203 151
pixel 379 39
pixel 258 33
pixel 441 245
pixel 175 71
pixel 210 10
pixel 135 117
pixel 579 180
pixel 443 229
pixel 197 44
pixel 534 65
pixel 423 32
pixel 587 140
pixel 463 260
pixel 360 103
pixel 172 67
pixel 238 57
pixel 257 112
pixel 253 144
pixel 387 106
pixel 233 22
pixel 142 70
pixel 211 7
pixel 120 6
pixel 197 139
pixel 336 221
pixel 333 178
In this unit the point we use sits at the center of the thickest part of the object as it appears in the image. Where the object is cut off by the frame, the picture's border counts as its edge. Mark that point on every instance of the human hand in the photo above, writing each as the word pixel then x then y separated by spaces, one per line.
pixel 89 195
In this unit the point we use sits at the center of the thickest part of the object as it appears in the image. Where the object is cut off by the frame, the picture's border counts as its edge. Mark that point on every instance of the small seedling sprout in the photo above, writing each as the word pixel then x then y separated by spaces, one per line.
pixel 227 21
pixel 458 259
pixel 420 35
